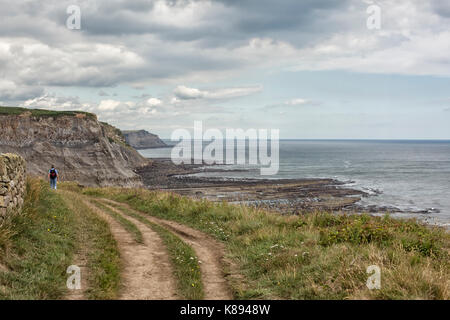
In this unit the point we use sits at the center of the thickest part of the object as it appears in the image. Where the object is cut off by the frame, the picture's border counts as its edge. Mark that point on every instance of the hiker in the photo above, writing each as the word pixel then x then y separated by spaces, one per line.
pixel 53 177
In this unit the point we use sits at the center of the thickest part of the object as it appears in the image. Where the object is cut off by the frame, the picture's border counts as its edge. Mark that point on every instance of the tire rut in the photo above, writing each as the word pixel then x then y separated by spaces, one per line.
pixel 146 273
pixel 209 251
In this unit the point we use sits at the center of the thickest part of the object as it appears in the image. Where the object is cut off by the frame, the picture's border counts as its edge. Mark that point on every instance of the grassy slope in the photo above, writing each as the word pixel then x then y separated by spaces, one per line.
pixel 39 247
pixel 316 256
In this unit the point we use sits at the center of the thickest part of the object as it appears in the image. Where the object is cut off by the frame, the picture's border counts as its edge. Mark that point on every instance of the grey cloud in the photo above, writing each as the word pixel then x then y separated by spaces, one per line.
pixel 441 8
pixel 11 92
pixel 126 43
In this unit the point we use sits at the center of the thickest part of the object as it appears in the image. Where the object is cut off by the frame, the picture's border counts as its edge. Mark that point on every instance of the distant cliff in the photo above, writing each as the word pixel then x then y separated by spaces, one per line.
pixel 81 148
pixel 141 139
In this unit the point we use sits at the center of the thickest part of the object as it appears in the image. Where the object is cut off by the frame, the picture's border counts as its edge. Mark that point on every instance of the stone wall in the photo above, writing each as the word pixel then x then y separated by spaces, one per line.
pixel 12 183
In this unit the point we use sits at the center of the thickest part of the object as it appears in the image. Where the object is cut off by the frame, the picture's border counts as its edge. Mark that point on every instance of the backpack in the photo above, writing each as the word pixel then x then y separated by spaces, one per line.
pixel 53 174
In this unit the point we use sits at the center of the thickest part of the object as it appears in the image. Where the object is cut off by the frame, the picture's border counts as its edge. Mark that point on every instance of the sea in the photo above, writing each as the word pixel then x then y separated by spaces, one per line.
pixel 411 175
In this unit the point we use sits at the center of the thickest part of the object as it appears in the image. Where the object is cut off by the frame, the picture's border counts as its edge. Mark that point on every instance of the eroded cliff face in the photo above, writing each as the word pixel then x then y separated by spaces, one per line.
pixel 141 139
pixel 80 147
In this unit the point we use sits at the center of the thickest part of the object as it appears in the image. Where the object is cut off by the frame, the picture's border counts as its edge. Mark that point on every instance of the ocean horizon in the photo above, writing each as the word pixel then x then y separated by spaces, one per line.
pixel 411 175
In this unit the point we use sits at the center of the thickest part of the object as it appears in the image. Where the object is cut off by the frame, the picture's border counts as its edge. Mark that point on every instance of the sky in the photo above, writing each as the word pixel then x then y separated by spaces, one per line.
pixel 314 69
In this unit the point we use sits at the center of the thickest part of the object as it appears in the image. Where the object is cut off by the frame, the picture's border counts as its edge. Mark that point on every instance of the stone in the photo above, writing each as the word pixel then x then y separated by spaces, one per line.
pixel 3 171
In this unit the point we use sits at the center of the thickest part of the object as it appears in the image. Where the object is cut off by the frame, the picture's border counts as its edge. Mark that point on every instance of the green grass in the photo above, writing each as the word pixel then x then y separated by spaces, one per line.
pixel 313 256
pixel 125 223
pixel 103 257
pixel 38 248
pixel 42 113
pixel 186 267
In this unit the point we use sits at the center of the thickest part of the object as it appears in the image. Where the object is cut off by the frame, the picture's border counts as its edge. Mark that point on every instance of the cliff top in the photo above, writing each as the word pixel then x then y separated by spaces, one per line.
pixel 5 111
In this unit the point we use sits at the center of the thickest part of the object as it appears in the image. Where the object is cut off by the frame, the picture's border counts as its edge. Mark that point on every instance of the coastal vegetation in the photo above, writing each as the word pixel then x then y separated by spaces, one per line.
pixel 37 246
pixel 267 255
pixel 38 113
pixel 315 256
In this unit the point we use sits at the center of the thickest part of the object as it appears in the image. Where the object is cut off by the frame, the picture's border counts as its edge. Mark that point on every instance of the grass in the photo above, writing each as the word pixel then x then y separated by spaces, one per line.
pixel 37 246
pixel 314 256
pixel 186 267
pixel 125 223
pixel 42 113
pixel 103 258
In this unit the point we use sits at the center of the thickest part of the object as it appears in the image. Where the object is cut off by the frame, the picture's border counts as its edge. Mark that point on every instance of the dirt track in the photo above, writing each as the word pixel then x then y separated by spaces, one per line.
pixel 209 252
pixel 147 272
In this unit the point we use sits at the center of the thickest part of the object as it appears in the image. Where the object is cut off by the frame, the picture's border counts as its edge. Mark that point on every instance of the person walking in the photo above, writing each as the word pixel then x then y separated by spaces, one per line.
pixel 53 177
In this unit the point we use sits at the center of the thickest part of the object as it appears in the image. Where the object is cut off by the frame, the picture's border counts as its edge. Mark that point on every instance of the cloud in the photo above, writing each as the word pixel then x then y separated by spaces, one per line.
pixel 140 42
pixel 290 104
pixel 53 102
pixel 157 45
pixel 153 102
pixel 11 91
pixel 296 102
pixel 185 93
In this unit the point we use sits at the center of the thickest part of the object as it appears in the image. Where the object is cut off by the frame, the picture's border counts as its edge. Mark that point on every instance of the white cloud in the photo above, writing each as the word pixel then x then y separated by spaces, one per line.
pixel 52 102
pixel 108 105
pixel 153 102
pixel 185 93
pixel 296 102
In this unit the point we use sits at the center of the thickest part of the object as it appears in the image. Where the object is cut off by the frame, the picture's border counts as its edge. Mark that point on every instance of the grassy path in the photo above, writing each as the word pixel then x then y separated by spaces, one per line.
pixel 315 256
pixel 183 257
pixel 209 252
pixel 37 246
pixel 146 270
pixel 125 223
pixel 139 244
pixel 98 253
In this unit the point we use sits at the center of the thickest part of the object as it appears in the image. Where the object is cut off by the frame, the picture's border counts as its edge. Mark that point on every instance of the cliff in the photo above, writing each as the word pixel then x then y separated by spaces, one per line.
pixel 141 139
pixel 81 148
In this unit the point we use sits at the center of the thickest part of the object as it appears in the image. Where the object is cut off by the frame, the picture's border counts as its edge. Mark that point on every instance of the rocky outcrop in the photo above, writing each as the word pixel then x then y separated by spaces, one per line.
pixel 12 183
pixel 78 145
pixel 141 139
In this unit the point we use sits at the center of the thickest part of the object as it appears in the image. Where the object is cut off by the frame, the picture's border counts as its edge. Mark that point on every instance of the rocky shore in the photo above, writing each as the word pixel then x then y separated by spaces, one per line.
pixel 287 196
pixel 290 196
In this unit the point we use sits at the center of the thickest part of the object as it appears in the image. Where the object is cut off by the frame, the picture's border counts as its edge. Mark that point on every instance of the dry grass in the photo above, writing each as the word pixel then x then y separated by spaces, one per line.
pixel 315 256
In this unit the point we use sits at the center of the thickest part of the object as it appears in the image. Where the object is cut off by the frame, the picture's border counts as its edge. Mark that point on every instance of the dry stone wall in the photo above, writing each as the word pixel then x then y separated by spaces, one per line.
pixel 12 183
